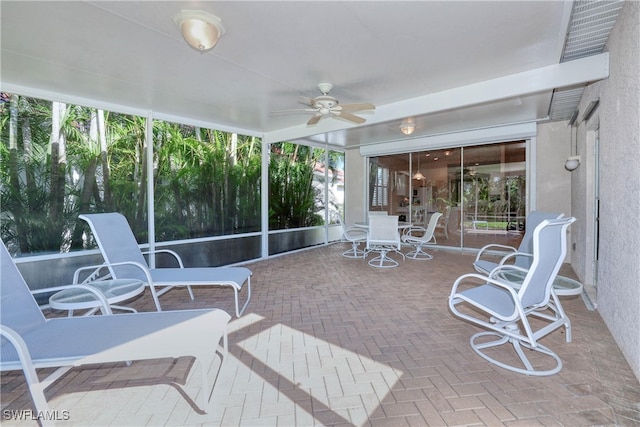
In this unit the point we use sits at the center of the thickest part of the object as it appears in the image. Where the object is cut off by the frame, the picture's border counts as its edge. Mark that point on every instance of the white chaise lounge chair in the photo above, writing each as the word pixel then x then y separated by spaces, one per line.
pixel 28 341
pixel 125 260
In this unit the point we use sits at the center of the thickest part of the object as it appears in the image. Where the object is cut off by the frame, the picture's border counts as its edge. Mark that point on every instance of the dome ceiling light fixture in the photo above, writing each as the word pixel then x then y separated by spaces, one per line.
pixel 200 29
pixel 408 126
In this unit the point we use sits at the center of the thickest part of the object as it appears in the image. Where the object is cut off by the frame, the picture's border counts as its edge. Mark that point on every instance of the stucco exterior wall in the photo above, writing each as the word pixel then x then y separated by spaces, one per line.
pixel 553 182
pixel 354 192
pixel 554 143
pixel 618 118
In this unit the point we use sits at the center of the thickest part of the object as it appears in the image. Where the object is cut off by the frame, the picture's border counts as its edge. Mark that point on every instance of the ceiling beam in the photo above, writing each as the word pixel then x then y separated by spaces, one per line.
pixel 580 71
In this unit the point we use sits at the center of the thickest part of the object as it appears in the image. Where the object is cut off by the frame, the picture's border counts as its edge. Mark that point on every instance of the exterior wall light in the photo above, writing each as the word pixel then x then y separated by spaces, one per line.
pixel 572 163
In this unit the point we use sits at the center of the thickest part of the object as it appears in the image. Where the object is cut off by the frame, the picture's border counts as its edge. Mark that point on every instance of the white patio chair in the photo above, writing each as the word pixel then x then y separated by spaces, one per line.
pixel 420 236
pixel 443 224
pixel 486 257
pixel 29 342
pixel 355 236
pixel 501 306
pixel 125 260
pixel 383 237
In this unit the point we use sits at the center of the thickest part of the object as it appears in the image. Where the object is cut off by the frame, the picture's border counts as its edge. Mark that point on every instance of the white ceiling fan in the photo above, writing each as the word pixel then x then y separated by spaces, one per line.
pixel 326 105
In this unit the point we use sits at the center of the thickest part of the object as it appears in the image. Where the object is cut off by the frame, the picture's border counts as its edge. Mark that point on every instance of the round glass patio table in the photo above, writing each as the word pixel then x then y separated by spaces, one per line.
pixel 115 291
pixel 562 285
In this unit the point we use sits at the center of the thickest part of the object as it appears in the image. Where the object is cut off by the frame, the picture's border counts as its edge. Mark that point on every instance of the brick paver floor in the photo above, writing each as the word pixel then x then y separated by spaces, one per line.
pixel 332 341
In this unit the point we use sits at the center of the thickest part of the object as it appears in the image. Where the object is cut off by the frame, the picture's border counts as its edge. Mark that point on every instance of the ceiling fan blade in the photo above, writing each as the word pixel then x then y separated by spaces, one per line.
pixel 357 107
pixel 296 110
pixel 313 120
pixel 305 100
pixel 348 116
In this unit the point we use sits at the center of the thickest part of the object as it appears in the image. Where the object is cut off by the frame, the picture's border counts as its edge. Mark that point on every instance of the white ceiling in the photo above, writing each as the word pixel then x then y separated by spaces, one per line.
pixel 453 65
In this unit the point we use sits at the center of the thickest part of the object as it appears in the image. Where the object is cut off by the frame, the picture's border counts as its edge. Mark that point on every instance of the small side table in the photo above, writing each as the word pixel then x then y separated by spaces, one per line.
pixel 563 286
pixel 88 296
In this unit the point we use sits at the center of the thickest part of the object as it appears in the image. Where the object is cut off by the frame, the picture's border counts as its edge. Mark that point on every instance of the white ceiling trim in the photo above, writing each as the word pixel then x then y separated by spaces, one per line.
pixel 117 108
pixel 204 124
pixel 565 74
pixel 70 99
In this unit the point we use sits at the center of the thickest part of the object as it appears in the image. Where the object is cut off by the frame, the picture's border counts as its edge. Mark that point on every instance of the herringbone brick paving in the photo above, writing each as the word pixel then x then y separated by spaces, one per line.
pixel 332 341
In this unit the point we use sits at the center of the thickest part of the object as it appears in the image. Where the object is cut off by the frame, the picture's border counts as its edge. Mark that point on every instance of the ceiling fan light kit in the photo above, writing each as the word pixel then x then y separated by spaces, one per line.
pixel 200 29
pixel 326 105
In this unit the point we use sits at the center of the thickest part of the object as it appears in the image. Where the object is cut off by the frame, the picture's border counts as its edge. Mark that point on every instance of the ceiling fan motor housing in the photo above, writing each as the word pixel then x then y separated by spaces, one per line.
pixel 325 88
pixel 326 105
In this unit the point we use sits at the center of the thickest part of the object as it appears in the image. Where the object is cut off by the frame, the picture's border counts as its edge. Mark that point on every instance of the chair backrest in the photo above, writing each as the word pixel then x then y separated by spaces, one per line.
pixel 431 227
pixel 117 244
pixel 549 251
pixel 418 216
pixel 526 244
pixel 18 308
pixel 343 225
pixel 383 229
pixel 445 217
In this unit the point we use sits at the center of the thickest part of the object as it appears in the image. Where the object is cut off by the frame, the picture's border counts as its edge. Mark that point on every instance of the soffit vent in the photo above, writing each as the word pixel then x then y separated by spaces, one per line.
pixel 565 102
pixel 591 23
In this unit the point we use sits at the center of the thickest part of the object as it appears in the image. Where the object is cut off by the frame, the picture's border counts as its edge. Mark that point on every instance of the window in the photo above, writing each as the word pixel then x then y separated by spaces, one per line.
pixel 380 193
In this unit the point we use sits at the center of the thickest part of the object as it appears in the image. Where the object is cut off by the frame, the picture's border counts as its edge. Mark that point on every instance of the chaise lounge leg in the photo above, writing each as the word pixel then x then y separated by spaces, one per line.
pixel 236 292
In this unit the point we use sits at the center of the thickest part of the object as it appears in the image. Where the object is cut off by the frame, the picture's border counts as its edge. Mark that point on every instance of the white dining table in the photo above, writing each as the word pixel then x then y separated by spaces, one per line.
pixel 401 225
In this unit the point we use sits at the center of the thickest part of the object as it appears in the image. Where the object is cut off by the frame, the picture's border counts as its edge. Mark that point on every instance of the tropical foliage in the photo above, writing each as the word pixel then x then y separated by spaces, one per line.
pixel 61 160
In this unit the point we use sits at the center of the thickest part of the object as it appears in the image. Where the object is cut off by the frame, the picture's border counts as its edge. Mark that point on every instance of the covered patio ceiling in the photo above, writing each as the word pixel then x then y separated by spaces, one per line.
pixel 450 66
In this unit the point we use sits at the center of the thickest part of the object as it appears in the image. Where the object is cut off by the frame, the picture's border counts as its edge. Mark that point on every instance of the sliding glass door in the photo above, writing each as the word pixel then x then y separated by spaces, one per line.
pixel 480 190
pixel 493 193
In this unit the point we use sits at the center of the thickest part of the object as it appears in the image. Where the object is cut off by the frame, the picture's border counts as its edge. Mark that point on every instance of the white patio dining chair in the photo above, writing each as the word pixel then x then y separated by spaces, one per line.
pixel 29 341
pixel 493 255
pixel 383 237
pixel 125 260
pixel 443 223
pixel 355 236
pixel 418 237
pixel 506 310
